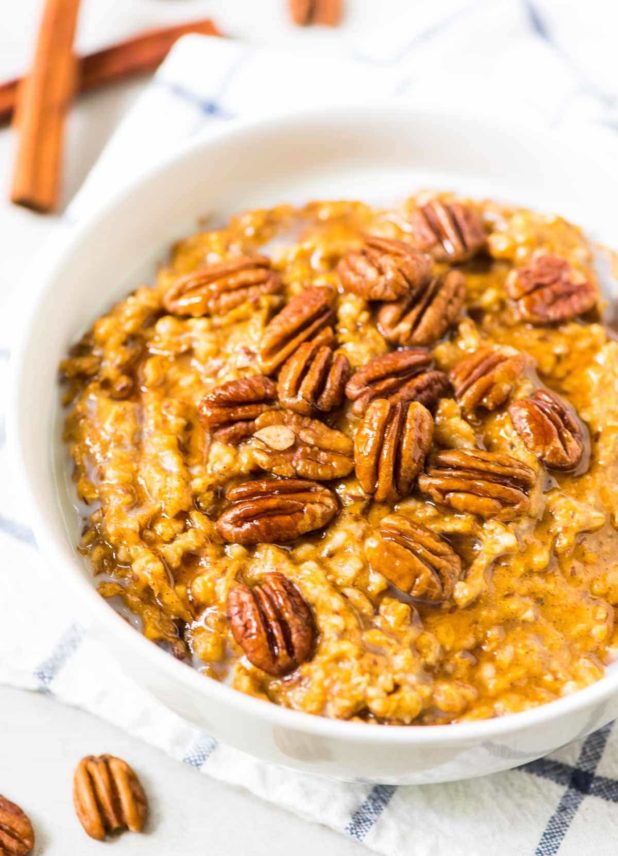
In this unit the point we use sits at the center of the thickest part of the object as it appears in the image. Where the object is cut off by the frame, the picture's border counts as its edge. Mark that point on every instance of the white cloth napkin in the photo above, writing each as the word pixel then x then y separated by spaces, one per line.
pixel 498 56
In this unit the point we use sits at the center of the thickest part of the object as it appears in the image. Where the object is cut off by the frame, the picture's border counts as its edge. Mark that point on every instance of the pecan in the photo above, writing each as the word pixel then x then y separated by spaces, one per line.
pixel 423 317
pixel 289 445
pixel 308 317
pixel 489 484
pixel 313 380
pixel 108 796
pixel 451 231
pixel 406 375
pixel 414 559
pixel 229 411
pixel 220 287
pixel 16 832
pixel 390 448
pixel 385 269
pixel 551 429
pixel 486 378
pixel 275 510
pixel 549 290
pixel 273 624
pixel 326 13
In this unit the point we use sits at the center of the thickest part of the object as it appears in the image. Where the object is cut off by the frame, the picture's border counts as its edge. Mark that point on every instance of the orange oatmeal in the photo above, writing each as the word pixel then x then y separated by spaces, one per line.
pixel 359 461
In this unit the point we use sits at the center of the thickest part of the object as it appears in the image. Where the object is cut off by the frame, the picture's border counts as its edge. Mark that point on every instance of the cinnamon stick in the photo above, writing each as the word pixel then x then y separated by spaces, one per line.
pixel 137 55
pixel 43 100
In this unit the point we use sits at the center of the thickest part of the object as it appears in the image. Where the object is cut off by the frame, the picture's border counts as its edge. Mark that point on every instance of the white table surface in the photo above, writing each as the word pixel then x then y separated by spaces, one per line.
pixel 40 740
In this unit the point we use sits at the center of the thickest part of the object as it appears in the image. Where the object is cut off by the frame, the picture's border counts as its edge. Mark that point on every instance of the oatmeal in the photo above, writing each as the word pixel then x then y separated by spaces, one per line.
pixel 361 462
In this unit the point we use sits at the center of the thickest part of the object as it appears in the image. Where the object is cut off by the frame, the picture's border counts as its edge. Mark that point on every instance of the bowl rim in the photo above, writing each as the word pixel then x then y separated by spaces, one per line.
pixel 106 617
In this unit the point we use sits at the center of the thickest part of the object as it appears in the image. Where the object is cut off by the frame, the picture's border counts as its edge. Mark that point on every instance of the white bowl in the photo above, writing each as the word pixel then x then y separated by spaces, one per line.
pixel 367 152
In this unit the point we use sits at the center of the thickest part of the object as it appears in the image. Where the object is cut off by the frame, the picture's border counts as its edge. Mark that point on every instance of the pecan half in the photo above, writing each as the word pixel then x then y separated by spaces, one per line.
pixel 406 375
pixel 486 378
pixel 390 448
pixel 229 411
pixel 313 380
pixel 384 269
pixel 307 317
pixel 108 797
pixel 451 231
pixel 273 624
pixel 289 445
pixel 423 317
pixel 414 559
pixel 218 288
pixel 549 290
pixel 16 832
pixel 275 510
pixel 551 429
pixel 489 484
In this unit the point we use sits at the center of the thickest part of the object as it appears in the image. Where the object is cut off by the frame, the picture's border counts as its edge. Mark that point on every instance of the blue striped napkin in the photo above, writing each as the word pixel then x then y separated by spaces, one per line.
pixel 498 55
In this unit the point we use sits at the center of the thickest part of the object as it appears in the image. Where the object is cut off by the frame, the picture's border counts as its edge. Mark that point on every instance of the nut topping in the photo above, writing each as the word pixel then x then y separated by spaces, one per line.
pixel 486 378
pixel 289 445
pixel 275 511
pixel 272 623
pixel 489 484
pixel 306 318
pixel 551 429
pixel 451 231
pixel 218 288
pixel 229 411
pixel 108 796
pixel 313 380
pixel 414 559
pixel 390 447
pixel 549 290
pixel 16 832
pixel 385 269
pixel 425 316
pixel 406 375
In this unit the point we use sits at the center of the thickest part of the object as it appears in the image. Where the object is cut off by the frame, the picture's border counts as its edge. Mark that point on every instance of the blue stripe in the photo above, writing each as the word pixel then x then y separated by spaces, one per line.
pixel 16 530
pixel 536 22
pixel 365 817
pixel 579 786
pixel 199 752
pixel 64 649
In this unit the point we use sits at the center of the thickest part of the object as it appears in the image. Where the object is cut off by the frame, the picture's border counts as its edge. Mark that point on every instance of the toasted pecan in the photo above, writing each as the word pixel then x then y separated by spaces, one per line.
pixel 272 623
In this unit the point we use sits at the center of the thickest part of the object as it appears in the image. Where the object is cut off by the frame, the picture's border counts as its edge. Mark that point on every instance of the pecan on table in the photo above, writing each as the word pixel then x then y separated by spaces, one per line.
pixel 325 13
pixel 308 317
pixel 108 797
pixel 229 411
pixel 406 375
pixel 390 448
pixel 549 290
pixel 489 484
pixel 384 269
pixel 487 378
pixel 275 510
pixel 16 832
pixel 289 445
pixel 551 429
pixel 273 624
pixel 414 559
pixel 218 288
pixel 425 316
pixel 451 231
pixel 313 380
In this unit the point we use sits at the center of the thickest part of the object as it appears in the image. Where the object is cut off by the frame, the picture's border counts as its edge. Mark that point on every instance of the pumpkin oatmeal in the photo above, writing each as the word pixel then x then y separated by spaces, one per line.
pixel 361 462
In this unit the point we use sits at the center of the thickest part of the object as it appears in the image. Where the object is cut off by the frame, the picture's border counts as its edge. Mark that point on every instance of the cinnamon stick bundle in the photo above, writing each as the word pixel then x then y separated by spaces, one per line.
pixel 139 54
pixel 43 100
